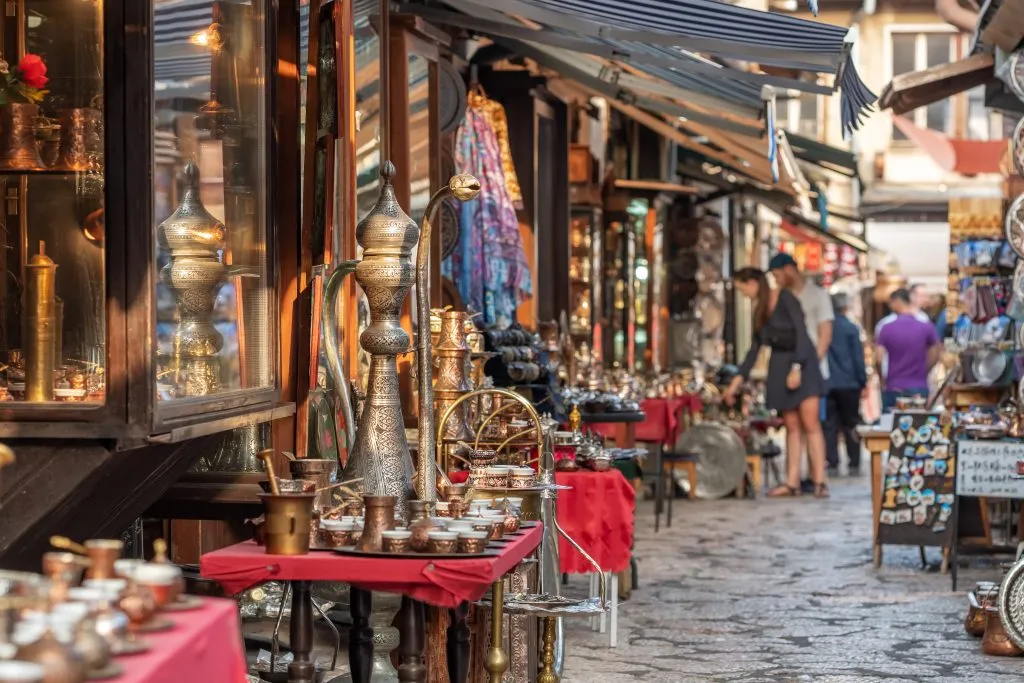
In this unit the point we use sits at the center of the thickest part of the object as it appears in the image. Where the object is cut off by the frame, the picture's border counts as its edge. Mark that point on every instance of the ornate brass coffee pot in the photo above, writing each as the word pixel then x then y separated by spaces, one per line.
pixel 380 453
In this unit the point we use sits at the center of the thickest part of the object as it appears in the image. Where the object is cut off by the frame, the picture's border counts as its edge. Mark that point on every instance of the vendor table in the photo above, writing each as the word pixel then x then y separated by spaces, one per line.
pixel 877 443
pixel 618 426
pixel 446 583
pixel 204 645
pixel 598 512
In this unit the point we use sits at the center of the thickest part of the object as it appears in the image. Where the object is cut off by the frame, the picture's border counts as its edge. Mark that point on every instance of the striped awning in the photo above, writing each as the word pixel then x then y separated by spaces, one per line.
pixel 181 68
pixel 649 30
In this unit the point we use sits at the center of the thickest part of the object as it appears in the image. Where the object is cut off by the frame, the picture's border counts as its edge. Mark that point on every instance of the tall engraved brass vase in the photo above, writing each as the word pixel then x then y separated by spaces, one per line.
pixel 386 274
pixel 18 148
pixel 192 237
pixel 452 382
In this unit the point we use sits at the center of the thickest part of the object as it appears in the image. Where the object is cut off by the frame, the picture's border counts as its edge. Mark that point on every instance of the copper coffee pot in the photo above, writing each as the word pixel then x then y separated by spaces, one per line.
pixel 996 641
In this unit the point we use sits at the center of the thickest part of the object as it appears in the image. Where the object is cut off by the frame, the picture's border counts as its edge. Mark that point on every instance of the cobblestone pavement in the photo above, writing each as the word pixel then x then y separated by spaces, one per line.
pixel 773 591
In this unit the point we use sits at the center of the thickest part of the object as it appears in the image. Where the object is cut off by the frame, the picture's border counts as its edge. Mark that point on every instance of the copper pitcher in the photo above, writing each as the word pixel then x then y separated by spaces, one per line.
pixel 379 516
pixel 18 148
pixel 996 641
pixel 974 623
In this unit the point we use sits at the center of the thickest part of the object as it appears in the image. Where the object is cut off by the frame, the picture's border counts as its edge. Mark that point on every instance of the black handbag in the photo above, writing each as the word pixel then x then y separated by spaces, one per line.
pixel 780 339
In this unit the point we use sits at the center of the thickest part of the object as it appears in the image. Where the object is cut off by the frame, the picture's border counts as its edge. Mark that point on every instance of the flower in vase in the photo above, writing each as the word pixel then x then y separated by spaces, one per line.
pixel 32 71
pixel 25 82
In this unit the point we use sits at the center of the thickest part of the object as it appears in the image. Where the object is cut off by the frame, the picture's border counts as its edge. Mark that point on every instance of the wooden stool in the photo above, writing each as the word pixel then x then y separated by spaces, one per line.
pixel 751 483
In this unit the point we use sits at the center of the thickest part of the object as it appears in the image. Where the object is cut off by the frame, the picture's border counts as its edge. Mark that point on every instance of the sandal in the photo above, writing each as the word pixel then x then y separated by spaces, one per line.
pixel 821 491
pixel 783 491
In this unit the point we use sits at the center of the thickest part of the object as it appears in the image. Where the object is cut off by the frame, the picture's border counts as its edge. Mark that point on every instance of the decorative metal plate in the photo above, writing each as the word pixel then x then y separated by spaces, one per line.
pixel 452 108
pixel 449 228
pixel 721 458
pixel 1015 75
pixel 1014 227
pixel 1017 146
pixel 1011 603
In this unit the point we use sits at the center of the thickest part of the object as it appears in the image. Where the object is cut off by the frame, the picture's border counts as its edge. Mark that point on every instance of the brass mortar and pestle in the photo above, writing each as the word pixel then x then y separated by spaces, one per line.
pixel 288 516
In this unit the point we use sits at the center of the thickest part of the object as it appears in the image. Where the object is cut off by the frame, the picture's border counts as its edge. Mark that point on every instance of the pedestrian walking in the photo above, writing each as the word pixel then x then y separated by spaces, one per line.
pixel 847 379
pixel 795 385
pixel 909 348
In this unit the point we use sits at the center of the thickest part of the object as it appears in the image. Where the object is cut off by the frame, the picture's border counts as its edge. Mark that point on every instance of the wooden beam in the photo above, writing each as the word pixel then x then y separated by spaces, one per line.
pixel 655 186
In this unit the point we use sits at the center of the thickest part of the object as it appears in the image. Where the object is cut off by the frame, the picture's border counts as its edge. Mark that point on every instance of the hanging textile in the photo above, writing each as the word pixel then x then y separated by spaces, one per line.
pixel 488 264
pixel 495 114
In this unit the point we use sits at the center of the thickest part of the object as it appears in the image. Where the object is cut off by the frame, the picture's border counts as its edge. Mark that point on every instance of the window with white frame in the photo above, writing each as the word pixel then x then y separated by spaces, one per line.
pixel 916 51
pixel 803 116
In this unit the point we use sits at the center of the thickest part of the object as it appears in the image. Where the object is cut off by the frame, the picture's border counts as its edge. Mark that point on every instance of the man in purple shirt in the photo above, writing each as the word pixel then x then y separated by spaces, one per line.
pixel 911 347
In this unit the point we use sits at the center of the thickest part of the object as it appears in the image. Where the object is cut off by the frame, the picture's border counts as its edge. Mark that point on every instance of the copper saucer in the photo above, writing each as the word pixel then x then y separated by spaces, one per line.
pixel 132 646
pixel 154 625
pixel 184 603
pixel 111 670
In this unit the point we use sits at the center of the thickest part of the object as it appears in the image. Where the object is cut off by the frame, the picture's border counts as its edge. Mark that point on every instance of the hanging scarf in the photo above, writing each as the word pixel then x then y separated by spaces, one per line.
pixel 488 265
pixel 495 114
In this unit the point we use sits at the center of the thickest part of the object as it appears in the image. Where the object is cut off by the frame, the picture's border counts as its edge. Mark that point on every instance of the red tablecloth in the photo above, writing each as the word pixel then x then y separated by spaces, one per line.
pixel 445 583
pixel 598 512
pixel 204 645
pixel 661 424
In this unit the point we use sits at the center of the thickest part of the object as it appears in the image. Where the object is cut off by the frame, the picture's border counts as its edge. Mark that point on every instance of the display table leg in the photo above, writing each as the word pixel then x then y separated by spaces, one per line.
pixel 360 636
pixel 302 669
pixel 412 625
pixel 458 645
pixel 876 500
pixel 625 435
pixel 547 661
pixel 496 662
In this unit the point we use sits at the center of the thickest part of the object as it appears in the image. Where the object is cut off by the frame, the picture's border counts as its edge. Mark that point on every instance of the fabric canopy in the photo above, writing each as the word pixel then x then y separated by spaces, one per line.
pixel 705 26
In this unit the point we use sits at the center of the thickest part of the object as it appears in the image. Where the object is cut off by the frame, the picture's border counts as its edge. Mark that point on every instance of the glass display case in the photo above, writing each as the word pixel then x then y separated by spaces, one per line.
pixel 585 258
pixel 139 292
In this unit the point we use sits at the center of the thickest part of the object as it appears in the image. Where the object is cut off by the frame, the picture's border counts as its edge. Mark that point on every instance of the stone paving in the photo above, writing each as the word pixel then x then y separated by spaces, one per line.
pixel 774 591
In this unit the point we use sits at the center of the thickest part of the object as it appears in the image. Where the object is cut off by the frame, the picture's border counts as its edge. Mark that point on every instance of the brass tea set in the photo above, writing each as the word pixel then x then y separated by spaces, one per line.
pixel 984 621
pixel 88 607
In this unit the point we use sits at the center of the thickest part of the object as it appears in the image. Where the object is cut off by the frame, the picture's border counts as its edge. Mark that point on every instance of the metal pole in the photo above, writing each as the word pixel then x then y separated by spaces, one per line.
pixel 385 80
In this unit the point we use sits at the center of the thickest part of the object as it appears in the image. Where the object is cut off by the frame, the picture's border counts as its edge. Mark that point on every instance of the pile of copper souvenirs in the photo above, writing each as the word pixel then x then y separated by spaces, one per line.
pixel 87 608
pixel 303 515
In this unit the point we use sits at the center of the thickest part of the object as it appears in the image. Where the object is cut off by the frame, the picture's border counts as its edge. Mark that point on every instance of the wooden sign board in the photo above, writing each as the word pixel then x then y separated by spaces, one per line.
pixel 989 469
pixel 919 472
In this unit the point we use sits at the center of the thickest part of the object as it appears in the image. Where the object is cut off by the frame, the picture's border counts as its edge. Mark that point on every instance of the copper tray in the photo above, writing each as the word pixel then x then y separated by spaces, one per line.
pixel 489 551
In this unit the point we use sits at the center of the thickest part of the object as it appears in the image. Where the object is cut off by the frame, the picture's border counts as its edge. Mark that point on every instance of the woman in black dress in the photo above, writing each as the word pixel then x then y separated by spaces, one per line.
pixel 795 385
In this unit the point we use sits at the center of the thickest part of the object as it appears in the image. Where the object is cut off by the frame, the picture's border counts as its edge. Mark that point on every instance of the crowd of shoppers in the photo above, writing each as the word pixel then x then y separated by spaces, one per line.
pixel 817 374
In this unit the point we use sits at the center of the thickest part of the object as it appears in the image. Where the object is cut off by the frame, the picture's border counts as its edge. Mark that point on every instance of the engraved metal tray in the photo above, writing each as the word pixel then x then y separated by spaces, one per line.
pixel 1011 603
pixel 490 551
pixel 550 606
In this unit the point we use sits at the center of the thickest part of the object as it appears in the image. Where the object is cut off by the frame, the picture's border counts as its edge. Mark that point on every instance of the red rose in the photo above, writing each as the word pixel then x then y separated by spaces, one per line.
pixel 32 71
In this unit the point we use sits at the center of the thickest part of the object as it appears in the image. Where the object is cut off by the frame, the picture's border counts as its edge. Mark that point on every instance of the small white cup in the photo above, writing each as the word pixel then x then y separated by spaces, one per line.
pixel 151 574
pixel 21 672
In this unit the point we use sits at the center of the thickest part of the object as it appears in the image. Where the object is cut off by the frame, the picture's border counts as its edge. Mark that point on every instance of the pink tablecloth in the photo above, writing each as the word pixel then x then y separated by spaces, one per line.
pixel 445 583
pixel 662 422
pixel 204 645
pixel 598 513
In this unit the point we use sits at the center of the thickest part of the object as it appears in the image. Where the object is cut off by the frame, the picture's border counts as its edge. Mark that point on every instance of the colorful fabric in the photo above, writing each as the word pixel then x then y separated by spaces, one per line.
pixel 489 264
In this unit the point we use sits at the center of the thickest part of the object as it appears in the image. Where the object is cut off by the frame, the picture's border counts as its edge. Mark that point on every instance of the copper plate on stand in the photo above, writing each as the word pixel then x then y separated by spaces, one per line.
pixel 155 625
pixel 111 670
pixel 489 551
pixel 184 603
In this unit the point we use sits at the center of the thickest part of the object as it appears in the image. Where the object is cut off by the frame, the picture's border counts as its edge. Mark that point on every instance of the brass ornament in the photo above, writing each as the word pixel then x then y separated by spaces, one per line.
pixel 40 325
pixel 192 238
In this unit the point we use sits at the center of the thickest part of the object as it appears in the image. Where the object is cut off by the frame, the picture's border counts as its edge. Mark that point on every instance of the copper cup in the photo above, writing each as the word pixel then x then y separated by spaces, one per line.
pixel 64 570
pixel 379 516
pixel 159 579
pixel 396 541
pixel 473 542
pixel 103 553
pixel 442 542
pixel 289 519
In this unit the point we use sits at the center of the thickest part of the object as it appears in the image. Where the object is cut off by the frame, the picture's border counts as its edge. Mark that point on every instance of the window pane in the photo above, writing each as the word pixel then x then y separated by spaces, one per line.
pixel 937 116
pixel 214 292
pixel 904 46
pixel 938 47
pixel 977 115
pixel 808 122
pixel 52 296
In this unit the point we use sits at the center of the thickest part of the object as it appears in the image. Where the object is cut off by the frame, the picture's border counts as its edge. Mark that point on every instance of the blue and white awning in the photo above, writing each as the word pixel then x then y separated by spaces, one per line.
pixel 650 33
